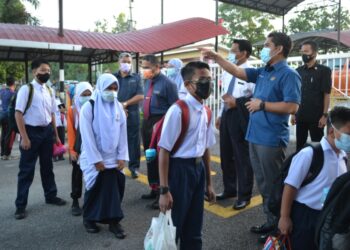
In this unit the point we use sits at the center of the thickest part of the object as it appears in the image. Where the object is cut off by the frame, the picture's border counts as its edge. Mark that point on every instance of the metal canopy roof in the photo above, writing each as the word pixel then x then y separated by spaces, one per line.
pixel 23 42
pixel 325 39
pixel 276 7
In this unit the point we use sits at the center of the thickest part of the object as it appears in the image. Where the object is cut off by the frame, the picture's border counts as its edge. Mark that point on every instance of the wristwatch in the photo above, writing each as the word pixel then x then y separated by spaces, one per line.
pixel 163 190
pixel 325 115
pixel 262 105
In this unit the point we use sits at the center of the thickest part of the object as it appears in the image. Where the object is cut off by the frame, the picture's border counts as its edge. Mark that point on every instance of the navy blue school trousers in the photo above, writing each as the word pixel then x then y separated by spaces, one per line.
pixel 187 185
pixel 41 139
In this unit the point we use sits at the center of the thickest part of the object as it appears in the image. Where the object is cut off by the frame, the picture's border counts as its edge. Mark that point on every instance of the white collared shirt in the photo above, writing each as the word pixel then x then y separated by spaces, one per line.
pixel 58 117
pixel 42 107
pixel 241 88
pixel 333 166
pixel 200 134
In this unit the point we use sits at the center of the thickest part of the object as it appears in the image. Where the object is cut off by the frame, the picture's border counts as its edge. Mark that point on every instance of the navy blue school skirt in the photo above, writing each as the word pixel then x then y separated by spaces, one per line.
pixel 102 203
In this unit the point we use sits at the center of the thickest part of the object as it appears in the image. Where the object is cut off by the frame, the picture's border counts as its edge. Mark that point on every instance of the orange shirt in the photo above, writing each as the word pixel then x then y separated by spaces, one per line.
pixel 71 131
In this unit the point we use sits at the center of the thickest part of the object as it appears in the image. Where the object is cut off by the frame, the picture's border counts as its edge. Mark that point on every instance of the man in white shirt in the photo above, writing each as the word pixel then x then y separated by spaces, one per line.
pixel 301 205
pixel 36 124
pixel 232 122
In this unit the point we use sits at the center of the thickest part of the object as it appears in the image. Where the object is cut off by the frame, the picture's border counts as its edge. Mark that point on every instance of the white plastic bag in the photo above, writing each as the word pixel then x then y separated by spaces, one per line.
pixel 161 235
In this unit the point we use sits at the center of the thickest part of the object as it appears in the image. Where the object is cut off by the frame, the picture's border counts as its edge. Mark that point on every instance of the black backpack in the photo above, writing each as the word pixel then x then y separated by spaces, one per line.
pixel 275 200
pixel 12 108
pixel 335 216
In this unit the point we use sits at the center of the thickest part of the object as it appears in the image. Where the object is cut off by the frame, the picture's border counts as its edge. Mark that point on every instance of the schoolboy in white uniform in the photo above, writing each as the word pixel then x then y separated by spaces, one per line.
pixel 188 168
pixel 301 205
pixel 37 127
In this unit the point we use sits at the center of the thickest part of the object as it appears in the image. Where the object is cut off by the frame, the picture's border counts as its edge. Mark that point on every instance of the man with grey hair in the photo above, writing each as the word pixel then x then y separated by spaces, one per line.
pixel 130 93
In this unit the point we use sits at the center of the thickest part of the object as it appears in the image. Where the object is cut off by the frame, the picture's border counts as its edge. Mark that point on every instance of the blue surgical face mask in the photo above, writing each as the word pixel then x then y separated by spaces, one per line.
pixel 265 55
pixel 83 99
pixel 108 95
pixel 232 58
pixel 343 142
pixel 170 71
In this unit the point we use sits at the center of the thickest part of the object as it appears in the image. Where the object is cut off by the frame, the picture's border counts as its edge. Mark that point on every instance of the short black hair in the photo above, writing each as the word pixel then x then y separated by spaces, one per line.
pixel 36 63
pixel 244 45
pixel 338 116
pixel 282 39
pixel 124 54
pixel 313 45
pixel 10 81
pixel 188 71
pixel 151 59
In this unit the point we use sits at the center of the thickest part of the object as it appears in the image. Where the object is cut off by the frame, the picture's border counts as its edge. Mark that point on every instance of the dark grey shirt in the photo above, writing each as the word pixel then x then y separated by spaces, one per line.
pixel 129 87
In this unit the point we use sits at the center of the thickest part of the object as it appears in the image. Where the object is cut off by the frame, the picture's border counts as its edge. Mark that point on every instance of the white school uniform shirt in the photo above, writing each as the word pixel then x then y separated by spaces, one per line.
pixel 58 115
pixel 43 104
pixel 241 88
pixel 200 134
pixel 333 166
pixel 91 148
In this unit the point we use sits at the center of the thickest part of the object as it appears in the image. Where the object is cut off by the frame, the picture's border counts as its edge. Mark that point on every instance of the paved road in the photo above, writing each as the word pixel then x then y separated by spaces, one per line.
pixel 51 227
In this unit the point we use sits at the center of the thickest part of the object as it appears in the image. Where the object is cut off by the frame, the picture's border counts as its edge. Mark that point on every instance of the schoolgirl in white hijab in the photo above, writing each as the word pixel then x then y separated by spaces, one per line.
pixel 104 152
pixel 83 92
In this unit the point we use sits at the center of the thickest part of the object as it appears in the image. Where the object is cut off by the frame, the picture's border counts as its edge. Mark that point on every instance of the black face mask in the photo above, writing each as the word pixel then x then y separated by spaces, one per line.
pixel 203 88
pixel 307 58
pixel 43 78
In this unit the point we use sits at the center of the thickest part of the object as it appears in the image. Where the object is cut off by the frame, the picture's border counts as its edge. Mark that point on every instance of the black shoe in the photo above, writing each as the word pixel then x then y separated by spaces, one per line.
pixel 224 196
pixel 134 174
pixel 20 213
pixel 152 195
pixel 91 227
pixel 76 210
pixel 238 205
pixel 56 201
pixel 61 158
pixel 118 230
pixel 263 229
pixel 154 205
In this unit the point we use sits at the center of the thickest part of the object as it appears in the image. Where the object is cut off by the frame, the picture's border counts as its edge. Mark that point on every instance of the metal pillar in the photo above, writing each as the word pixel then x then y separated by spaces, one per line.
pixel 60 16
pixel 161 22
pixel 26 67
pixel 90 71
pixel 339 28
pixel 283 24
pixel 217 22
pixel 137 62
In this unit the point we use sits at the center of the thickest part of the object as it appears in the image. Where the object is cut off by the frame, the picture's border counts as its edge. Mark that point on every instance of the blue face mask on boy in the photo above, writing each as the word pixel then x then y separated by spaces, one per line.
pixel 343 142
pixel 232 58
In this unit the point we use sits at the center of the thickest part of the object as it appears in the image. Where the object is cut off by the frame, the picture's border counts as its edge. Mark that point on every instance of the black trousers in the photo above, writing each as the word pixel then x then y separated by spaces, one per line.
pixel 41 146
pixel 133 130
pixel 147 129
pixel 304 221
pixel 303 129
pixel 234 153
pixel 7 137
pixel 77 181
pixel 61 130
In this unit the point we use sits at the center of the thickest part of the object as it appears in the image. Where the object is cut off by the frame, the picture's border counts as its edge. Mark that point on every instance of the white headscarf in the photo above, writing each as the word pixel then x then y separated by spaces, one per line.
pixel 79 89
pixel 177 78
pixel 106 114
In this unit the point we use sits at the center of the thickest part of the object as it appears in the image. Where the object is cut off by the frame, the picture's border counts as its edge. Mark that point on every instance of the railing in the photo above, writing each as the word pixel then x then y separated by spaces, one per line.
pixel 339 63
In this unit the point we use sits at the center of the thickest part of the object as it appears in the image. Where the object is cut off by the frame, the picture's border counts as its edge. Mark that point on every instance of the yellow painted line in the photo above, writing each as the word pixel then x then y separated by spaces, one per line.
pixel 227 212
pixel 215 159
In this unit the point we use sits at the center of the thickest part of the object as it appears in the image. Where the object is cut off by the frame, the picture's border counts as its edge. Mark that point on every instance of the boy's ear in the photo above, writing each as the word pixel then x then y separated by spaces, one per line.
pixel 187 82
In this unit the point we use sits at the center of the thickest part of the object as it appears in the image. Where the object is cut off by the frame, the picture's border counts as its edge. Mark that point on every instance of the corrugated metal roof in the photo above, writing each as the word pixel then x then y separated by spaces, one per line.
pixel 276 7
pixel 151 40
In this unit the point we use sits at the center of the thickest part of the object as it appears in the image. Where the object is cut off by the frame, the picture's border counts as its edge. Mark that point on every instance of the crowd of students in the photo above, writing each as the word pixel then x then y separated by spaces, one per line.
pixel 103 134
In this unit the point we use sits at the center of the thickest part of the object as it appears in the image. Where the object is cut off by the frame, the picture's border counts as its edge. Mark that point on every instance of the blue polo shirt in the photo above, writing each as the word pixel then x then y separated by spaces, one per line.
pixel 129 86
pixel 277 83
pixel 163 96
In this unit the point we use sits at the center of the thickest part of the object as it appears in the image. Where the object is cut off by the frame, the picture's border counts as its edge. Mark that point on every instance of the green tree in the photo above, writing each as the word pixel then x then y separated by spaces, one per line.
pixel 244 23
pixel 315 19
pixel 120 24
pixel 13 11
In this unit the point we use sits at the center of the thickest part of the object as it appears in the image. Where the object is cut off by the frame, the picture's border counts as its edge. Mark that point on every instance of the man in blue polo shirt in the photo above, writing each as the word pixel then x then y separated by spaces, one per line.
pixel 276 96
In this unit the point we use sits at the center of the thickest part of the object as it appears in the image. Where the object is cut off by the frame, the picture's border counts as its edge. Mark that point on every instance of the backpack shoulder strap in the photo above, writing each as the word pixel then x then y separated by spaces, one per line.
pixel 92 102
pixel 316 163
pixel 30 97
pixel 49 89
pixel 185 122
